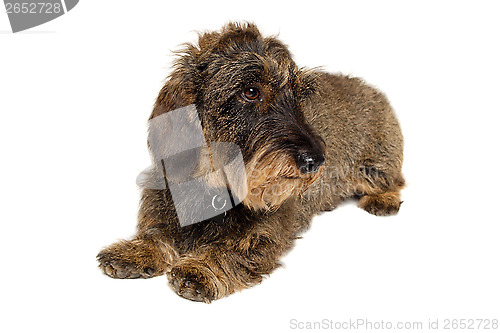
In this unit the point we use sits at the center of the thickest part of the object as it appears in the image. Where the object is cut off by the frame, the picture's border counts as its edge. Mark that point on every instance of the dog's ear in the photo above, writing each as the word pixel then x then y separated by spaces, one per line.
pixel 306 83
pixel 181 85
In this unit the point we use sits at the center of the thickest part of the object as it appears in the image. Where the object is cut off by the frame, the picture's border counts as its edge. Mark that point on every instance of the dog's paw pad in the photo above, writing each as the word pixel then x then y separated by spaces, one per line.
pixel 121 269
pixel 188 283
pixel 381 204
pixel 119 262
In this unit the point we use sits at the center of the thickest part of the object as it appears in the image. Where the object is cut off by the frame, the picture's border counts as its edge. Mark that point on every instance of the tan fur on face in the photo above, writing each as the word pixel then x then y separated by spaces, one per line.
pixel 274 177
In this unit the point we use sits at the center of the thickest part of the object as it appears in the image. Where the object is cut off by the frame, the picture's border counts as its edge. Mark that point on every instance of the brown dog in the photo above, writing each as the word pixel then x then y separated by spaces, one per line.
pixel 308 139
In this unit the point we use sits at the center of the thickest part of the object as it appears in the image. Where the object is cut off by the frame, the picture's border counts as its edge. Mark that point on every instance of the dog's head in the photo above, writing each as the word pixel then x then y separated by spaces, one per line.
pixel 249 91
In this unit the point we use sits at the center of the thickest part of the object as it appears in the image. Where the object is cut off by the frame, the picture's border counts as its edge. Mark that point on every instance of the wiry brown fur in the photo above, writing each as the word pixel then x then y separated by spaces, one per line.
pixel 343 118
pixel 272 178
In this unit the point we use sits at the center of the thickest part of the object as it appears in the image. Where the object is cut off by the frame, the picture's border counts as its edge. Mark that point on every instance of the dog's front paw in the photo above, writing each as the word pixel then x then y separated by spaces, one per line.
pixel 131 260
pixel 194 281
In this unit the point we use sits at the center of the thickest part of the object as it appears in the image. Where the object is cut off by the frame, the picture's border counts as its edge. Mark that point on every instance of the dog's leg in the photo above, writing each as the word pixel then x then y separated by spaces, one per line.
pixel 219 269
pixel 219 272
pixel 380 191
pixel 151 252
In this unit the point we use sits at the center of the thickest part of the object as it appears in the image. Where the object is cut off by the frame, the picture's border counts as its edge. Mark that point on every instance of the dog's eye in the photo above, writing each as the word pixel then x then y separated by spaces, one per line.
pixel 251 94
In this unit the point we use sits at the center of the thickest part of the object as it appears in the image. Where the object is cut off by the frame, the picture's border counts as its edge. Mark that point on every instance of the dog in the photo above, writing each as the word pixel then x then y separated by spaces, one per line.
pixel 308 140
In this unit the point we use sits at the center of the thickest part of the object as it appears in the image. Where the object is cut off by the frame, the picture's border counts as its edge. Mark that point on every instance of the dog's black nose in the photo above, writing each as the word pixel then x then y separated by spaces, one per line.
pixel 310 163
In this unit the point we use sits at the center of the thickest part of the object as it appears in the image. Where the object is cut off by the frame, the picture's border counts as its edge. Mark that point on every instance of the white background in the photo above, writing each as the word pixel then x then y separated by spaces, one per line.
pixel 75 95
